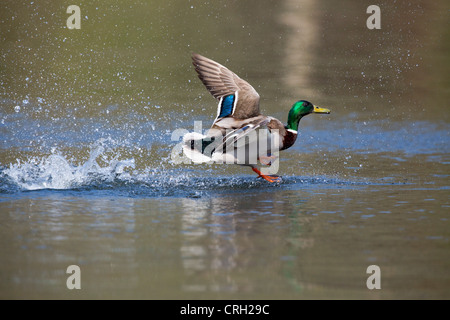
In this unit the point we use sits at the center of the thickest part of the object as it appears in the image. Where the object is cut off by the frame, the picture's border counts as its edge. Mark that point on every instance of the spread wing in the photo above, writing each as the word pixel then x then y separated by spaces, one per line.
pixel 237 98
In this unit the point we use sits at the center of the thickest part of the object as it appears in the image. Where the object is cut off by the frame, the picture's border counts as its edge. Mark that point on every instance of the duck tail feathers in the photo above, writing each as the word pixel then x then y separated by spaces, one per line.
pixel 195 147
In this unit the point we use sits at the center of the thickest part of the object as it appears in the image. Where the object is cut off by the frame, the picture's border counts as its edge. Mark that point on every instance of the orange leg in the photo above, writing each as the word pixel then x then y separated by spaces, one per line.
pixel 267 160
pixel 266 177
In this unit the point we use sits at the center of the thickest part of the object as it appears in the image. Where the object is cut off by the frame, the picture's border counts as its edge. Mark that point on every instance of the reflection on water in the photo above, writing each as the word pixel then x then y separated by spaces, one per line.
pixel 298 243
pixel 86 119
pixel 301 44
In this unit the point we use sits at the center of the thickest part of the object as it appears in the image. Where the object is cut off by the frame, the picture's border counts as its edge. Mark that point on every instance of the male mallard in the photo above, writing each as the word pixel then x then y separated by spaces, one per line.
pixel 240 132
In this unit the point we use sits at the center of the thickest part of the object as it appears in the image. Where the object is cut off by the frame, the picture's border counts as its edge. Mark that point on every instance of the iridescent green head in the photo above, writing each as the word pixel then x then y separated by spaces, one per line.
pixel 299 110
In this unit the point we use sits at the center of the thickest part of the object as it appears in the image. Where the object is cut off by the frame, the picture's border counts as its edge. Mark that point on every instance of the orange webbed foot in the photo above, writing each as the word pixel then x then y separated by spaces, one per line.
pixel 269 178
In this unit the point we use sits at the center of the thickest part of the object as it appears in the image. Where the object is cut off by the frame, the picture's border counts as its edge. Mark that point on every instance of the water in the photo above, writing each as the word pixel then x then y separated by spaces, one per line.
pixel 87 177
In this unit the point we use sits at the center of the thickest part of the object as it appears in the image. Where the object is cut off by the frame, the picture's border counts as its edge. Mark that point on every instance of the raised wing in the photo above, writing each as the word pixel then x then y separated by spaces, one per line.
pixel 237 98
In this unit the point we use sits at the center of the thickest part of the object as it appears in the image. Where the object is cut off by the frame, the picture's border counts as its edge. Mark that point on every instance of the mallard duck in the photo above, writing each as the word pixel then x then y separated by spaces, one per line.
pixel 240 134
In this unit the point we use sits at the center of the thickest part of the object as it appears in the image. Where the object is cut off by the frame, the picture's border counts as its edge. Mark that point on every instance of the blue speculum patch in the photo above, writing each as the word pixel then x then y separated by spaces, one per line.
pixel 226 106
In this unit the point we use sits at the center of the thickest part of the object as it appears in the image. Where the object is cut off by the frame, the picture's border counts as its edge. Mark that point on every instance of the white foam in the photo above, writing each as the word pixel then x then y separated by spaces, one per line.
pixel 56 172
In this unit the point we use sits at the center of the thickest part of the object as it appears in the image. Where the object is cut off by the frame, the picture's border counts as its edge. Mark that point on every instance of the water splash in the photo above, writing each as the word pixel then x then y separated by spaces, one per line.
pixel 107 170
pixel 56 172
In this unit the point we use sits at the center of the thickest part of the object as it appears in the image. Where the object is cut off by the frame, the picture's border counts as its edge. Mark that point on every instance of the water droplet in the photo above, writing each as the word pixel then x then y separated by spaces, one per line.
pixel 17 108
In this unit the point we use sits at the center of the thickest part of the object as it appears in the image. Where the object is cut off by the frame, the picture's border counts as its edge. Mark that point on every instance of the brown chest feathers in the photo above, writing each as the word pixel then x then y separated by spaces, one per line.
pixel 289 139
